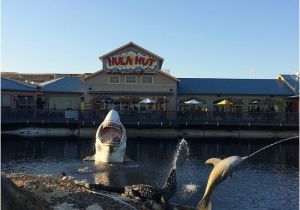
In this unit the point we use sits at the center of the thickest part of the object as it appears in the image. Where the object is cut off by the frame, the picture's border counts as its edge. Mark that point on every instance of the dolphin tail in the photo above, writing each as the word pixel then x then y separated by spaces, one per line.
pixel 204 204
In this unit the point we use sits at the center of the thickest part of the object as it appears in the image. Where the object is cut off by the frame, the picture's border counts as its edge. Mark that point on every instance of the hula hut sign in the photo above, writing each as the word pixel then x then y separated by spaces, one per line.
pixel 131 58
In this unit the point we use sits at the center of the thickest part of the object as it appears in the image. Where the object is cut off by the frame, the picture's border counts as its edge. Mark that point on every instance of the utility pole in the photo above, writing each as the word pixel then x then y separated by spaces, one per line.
pixel 252 73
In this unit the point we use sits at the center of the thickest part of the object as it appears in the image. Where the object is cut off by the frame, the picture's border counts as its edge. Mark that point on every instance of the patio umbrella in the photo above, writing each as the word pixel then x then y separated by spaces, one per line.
pixel 224 102
pixel 100 99
pixel 148 101
pixel 193 102
pixel 256 101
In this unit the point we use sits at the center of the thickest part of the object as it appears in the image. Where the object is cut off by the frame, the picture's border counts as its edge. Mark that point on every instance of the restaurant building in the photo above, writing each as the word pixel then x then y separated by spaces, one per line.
pixel 233 95
pixel 131 79
pixel 16 95
pixel 131 74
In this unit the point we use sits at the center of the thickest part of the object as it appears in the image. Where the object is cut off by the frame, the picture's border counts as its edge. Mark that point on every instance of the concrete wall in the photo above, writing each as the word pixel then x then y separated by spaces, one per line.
pixel 172 133
pixel 161 133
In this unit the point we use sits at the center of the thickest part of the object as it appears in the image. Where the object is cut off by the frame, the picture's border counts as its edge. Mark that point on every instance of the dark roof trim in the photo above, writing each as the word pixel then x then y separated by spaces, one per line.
pixel 129 93
pixel 61 92
pixel 160 72
pixel 231 94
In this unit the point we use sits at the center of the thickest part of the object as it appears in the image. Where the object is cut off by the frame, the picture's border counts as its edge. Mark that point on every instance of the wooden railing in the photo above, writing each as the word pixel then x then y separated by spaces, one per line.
pixel 95 117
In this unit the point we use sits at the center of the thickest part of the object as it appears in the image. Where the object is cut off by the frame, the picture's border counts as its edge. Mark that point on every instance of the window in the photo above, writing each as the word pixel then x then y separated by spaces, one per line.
pixel 130 79
pixel 147 79
pixel 5 100
pixel 25 100
pixel 114 79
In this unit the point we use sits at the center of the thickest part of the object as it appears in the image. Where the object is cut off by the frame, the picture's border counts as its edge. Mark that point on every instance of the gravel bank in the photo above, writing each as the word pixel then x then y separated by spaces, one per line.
pixel 67 193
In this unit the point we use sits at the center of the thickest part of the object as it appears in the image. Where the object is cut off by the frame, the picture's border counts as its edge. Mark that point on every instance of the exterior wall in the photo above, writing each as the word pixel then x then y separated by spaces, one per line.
pixel 62 101
pixel 292 104
pixel 163 85
pixel 14 96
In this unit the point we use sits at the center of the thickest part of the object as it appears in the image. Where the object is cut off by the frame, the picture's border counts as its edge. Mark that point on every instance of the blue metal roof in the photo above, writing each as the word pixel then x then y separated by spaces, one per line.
pixel 209 86
pixel 7 84
pixel 64 85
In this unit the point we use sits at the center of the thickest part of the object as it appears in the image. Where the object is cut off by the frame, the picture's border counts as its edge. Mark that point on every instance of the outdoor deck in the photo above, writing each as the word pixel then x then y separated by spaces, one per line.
pixel 151 119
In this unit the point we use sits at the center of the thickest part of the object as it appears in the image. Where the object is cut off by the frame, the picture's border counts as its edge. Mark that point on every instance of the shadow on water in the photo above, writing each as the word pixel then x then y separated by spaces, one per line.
pixel 16 148
pixel 266 181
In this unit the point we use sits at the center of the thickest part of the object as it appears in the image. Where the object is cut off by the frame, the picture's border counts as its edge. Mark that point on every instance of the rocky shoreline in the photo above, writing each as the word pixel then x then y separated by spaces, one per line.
pixel 43 192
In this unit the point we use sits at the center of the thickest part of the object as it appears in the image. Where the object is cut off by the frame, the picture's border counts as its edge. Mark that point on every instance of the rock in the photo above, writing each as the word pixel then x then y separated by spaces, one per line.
pixel 67 178
pixel 64 206
pixel 94 207
pixel 156 206
pixel 84 170
pixel 18 199
pixel 81 182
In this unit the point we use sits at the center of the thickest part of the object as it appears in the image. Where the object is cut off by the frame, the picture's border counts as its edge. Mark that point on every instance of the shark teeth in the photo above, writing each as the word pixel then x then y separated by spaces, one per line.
pixel 111 133
pixel 111 125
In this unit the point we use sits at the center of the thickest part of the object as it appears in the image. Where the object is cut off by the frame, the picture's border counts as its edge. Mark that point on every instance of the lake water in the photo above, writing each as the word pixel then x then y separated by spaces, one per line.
pixel 269 180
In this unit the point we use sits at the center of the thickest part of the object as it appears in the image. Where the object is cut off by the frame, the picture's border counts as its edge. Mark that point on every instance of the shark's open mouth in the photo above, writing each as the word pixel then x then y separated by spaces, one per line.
pixel 111 133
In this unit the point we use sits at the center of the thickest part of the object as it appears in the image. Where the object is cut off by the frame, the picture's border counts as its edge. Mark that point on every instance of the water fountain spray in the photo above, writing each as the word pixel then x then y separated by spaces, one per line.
pixel 183 144
pixel 277 142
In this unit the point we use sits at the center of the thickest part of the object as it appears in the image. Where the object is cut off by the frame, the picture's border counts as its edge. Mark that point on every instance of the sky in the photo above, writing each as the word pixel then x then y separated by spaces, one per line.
pixel 196 38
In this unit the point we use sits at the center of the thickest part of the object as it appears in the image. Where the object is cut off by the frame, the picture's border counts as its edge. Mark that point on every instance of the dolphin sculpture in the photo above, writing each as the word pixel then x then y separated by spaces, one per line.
pixel 224 169
pixel 111 139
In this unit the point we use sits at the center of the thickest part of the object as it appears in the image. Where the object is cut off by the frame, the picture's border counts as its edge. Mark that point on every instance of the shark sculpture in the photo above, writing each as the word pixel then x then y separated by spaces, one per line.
pixel 111 139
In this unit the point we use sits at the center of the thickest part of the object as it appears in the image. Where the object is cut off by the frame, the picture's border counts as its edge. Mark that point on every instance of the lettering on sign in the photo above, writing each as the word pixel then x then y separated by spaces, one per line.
pixel 130 61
